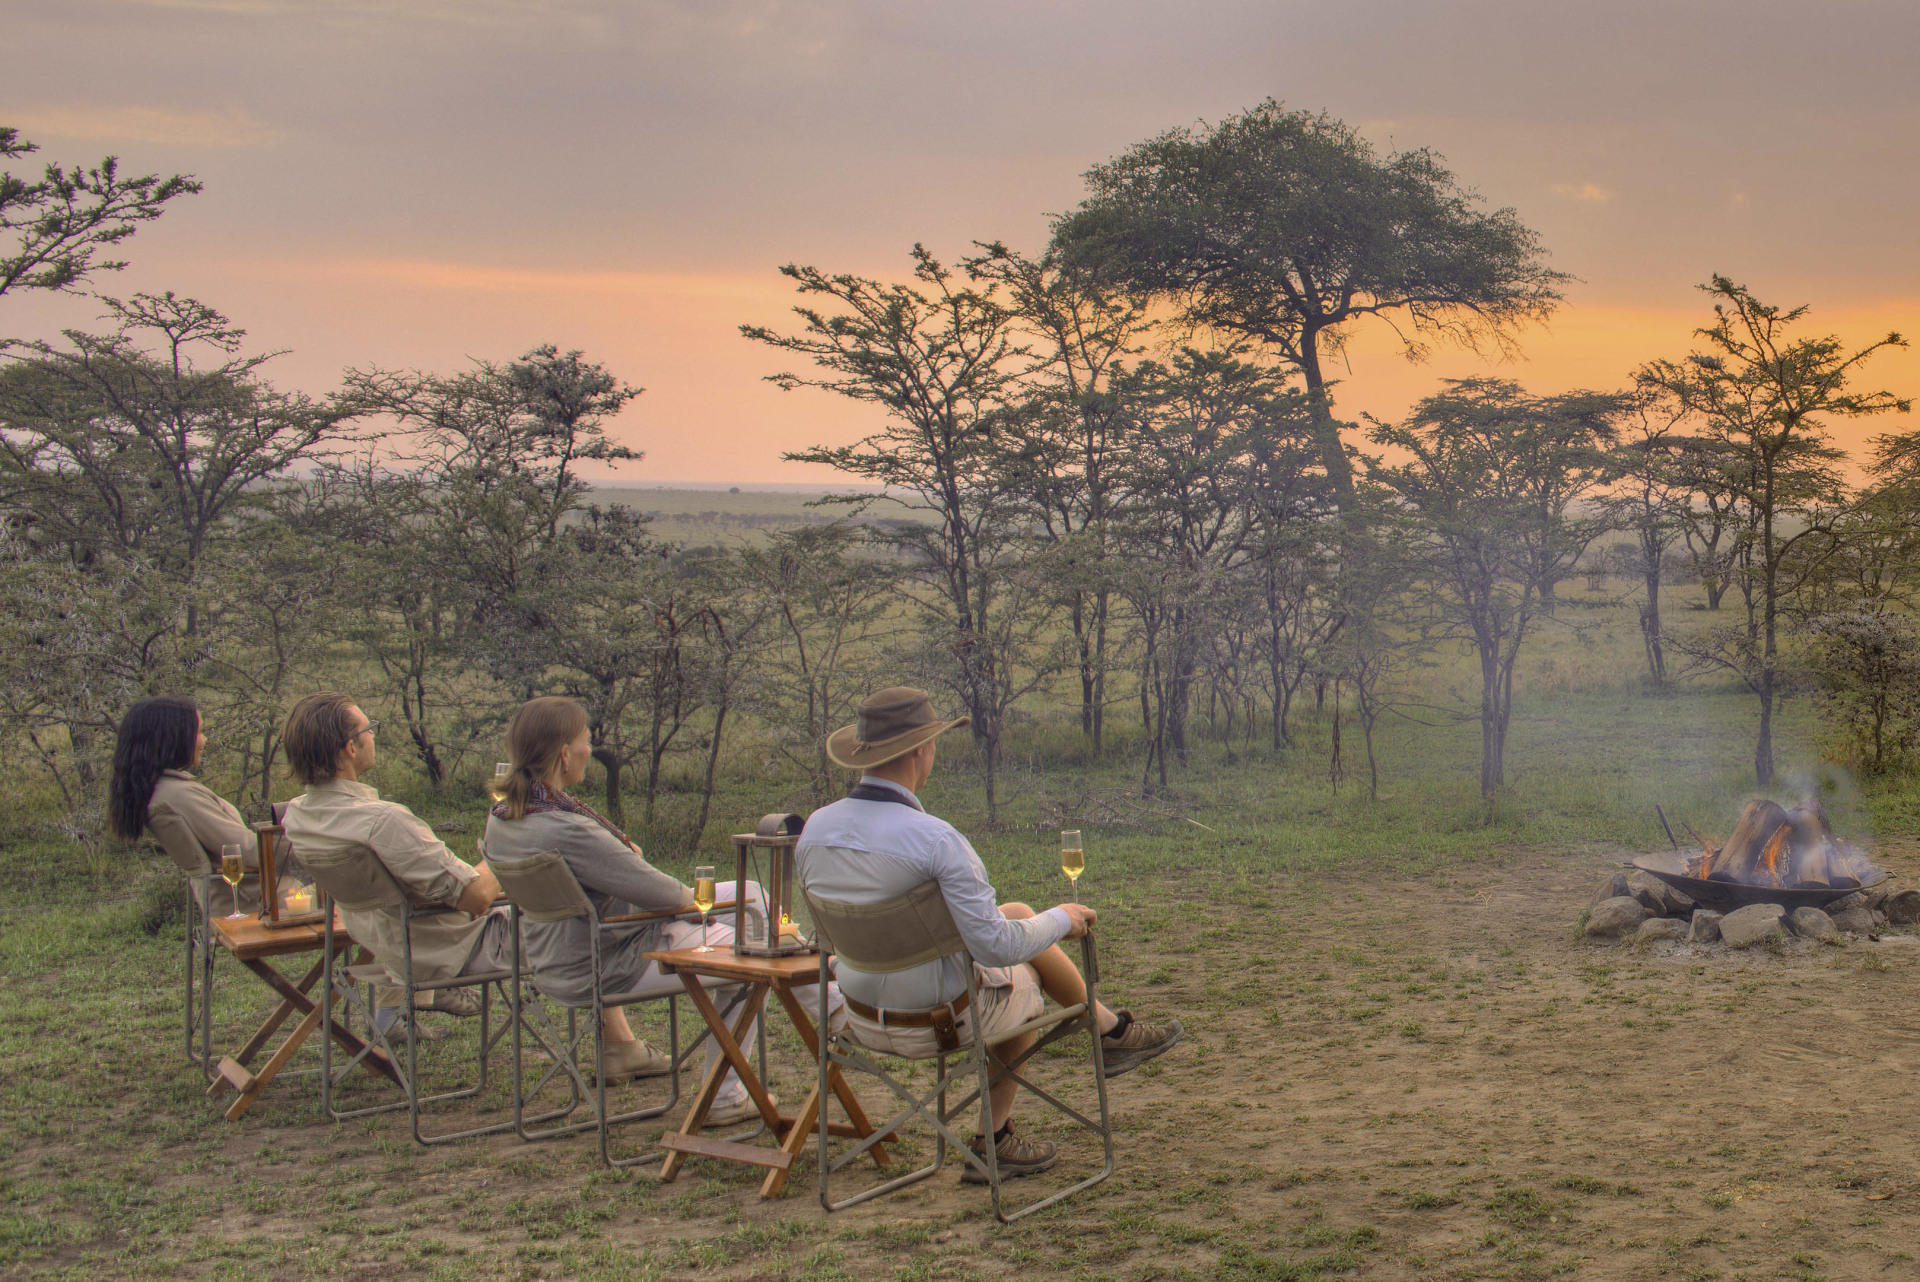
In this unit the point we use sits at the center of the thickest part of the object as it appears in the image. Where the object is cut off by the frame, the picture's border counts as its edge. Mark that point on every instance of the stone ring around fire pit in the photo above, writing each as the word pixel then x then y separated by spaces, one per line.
pixel 1725 896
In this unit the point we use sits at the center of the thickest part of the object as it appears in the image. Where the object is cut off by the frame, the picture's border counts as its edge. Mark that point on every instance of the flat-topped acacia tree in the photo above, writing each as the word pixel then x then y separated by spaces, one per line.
pixel 1286 226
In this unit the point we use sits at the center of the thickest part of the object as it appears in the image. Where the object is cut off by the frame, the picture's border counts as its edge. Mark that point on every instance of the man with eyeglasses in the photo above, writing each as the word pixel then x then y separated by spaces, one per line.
pixel 329 744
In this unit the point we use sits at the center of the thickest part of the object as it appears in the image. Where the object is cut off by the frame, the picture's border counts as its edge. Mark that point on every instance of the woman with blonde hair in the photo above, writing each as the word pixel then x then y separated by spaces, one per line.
pixel 548 746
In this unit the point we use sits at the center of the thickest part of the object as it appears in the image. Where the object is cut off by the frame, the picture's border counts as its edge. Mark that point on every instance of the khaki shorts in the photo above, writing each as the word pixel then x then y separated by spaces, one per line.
pixel 1009 997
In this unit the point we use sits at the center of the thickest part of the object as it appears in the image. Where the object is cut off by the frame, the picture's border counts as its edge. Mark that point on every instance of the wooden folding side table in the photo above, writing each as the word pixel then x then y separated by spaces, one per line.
pixel 251 943
pixel 762 975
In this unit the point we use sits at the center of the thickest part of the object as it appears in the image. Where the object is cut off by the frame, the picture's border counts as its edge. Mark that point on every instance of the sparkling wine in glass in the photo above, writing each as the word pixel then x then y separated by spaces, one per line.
pixel 232 868
pixel 703 900
pixel 497 786
pixel 1073 857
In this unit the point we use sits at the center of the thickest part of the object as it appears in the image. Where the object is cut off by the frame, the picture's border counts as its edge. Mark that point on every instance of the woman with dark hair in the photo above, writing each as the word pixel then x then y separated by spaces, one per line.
pixel 159 742
pixel 549 747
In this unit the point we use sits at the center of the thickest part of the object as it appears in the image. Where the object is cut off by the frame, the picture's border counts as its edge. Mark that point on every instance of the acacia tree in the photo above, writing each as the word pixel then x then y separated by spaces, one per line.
pixel 127 460
pixel 58 222
pixel 827 601
pixel 1652 497
pixel 1284 226
pixel 1765 398
pixel 1068 436
pixel 1490 486
pixel 451 537
pixel 937 357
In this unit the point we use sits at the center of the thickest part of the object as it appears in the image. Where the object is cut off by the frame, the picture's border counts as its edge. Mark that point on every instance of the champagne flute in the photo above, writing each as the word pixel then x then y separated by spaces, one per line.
pixel 703 900
pixel 1073 857
pixel 497 786
pixel 232 868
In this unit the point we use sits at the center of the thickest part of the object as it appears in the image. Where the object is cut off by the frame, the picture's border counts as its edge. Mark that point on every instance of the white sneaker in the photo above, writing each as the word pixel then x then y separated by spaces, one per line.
pixel 741 1110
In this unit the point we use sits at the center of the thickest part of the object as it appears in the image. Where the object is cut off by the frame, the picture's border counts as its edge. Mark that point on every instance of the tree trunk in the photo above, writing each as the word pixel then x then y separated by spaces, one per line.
pixel 706 788
pixel 1099 672
pixel 1650 623
pixel 1490 742
pixel 1326 430
pixel 616 807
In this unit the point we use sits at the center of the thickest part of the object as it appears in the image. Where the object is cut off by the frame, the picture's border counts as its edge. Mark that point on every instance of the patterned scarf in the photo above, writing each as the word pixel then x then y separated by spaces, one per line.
pixel 541 799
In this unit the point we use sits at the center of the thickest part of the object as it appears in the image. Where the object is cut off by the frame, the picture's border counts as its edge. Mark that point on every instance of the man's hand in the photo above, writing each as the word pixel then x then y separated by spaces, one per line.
pixel 1083 919
pixel 480 893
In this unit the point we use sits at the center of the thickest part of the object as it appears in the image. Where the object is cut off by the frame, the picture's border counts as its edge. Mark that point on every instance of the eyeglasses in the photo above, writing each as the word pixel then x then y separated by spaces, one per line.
pixel 372 727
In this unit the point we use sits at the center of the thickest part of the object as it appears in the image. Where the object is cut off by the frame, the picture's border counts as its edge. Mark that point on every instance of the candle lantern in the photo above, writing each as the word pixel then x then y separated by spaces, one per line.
pixel 282 905
pixel 771 844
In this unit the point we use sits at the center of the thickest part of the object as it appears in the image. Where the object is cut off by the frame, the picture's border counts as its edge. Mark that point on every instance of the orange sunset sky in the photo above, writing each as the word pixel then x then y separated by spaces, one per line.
pixel 419 183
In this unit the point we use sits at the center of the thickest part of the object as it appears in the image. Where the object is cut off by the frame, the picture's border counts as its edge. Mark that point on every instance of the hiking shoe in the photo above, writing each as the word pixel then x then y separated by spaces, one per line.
pixel 1014 1156
pixel 385 1017
pixel 742 1110
pixel 1138 1044
pixel 464 1002
pixel 628 1060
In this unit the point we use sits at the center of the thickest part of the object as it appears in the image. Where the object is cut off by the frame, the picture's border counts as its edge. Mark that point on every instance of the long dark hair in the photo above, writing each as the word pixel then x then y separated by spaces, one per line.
pixel 155 735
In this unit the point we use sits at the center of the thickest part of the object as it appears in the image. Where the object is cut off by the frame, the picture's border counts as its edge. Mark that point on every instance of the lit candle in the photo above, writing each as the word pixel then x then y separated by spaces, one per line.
pixel 299 901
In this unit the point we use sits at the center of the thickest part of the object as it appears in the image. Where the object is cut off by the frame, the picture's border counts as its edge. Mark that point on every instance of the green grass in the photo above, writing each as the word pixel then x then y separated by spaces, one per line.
pixel 112 1163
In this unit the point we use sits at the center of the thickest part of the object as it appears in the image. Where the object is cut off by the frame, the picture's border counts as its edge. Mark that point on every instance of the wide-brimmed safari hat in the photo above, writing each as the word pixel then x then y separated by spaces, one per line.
pixel 893 722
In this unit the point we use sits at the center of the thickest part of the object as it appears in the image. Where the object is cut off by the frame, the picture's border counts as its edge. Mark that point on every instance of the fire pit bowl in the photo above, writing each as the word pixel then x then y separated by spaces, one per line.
pixel 1724 896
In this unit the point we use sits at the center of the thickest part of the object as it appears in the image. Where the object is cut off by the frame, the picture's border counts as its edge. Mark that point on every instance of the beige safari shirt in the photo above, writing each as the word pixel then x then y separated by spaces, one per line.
pixel 191 822
pixel 339 815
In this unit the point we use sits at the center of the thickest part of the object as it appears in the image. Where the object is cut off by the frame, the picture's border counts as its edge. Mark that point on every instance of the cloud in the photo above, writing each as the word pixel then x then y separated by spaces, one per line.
pixel 228 128
pixel 1583 191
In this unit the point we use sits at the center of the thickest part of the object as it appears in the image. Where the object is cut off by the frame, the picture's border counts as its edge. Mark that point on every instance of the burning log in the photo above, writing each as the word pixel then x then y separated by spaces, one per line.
pixel 1744 850
pixel 1810 842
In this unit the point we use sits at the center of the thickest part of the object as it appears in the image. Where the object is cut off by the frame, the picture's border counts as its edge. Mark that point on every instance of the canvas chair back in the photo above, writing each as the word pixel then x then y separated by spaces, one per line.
pixel 891 936
pixel 180 844
pixel 542 887
pixel 354 878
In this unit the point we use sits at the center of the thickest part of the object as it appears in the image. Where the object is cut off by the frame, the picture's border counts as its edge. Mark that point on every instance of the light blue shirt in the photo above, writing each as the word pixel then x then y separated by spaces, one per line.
pixel 867 852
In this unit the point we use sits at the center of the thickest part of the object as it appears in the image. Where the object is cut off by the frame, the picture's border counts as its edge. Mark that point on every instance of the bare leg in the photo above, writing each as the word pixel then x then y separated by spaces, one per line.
pixel 1059 977
pixel 1006 1088
pixel 613 1025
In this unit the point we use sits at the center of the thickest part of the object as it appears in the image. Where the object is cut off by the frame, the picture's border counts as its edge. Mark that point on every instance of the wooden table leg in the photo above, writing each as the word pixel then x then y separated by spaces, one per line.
pixel 855 1114
pixel 231 1072
pixel 287 1005
pixel 796 1140
pixel 731 1057
pixel 376 1058
pixel 272 1067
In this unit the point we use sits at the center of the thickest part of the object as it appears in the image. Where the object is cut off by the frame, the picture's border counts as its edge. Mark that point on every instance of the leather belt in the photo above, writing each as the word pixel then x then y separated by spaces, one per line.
pixel 943 1020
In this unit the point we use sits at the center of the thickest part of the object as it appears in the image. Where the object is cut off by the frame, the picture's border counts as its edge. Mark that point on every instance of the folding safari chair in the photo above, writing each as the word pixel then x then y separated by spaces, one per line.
pixel 187 855
pixel 907 931
pixel 184 849
pixel 544 889
pixel 356 879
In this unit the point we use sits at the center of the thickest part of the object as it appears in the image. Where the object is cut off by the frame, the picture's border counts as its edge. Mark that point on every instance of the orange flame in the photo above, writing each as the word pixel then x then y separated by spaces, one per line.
pixel 1767 872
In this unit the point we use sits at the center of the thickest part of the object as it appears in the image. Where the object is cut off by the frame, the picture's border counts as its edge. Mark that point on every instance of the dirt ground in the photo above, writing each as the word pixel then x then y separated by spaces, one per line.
pixel 1425 1079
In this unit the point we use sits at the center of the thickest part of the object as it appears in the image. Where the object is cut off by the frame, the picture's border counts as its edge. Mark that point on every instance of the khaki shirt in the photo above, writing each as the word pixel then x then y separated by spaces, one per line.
pixel 338 816
pixel 191 822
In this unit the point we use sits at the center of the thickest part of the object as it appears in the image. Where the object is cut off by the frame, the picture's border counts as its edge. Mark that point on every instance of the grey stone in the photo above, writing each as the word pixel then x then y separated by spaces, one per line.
pixel 1858 920
pixel 1654 928
pixel 1661 899
pixel 1745 927
pixel 1811 923
pixel 1880 921
pixel 1612 888
pixel 1877 896
pixel 1705 928
pixel 1619 915
pixel 1858 899
pixel 1903 909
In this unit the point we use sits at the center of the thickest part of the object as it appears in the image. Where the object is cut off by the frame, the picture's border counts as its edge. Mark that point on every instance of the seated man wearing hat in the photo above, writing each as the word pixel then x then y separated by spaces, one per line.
pixel 878 844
